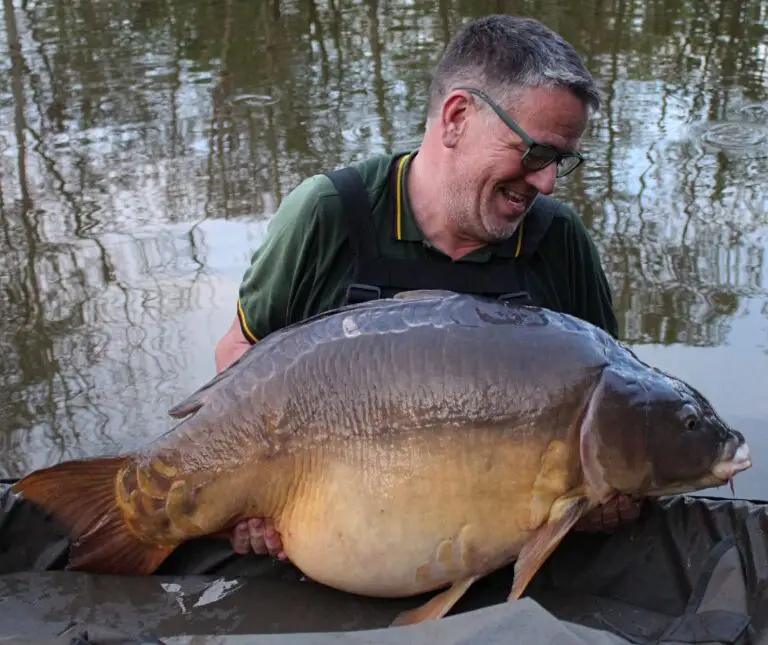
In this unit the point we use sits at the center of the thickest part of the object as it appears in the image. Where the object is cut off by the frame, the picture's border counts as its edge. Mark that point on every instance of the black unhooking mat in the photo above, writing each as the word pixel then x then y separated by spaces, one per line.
pixel 692 570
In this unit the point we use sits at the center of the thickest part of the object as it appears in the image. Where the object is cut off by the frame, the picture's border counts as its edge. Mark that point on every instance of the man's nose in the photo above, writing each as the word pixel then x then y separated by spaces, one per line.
pixel 543 180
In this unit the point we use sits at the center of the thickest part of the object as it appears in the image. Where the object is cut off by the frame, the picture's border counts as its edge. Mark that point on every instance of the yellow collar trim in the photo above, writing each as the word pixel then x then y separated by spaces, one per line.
pixel 399 197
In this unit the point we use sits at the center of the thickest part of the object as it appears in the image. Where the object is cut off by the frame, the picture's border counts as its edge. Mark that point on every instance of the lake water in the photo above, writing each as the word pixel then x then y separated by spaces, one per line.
pixel 145 145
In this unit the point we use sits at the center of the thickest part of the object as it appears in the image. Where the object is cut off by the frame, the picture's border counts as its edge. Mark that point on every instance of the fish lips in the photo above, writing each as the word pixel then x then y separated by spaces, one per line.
pixel 734 458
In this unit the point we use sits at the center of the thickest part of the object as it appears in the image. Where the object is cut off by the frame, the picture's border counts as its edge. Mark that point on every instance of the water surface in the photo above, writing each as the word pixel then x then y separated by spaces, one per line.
pixel 145 145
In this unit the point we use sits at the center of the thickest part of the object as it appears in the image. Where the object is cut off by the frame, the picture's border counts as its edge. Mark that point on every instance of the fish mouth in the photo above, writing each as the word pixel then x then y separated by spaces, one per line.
pixel 736 458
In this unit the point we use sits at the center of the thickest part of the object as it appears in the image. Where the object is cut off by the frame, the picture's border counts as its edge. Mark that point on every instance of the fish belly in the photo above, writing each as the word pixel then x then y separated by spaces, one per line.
pixel 398 518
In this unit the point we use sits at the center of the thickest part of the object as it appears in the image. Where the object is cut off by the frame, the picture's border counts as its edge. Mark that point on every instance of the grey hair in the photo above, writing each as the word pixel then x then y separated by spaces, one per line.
pixel 504 54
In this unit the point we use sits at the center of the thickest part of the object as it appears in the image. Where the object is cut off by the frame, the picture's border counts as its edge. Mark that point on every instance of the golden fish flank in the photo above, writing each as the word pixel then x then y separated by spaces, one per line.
pixel 401 446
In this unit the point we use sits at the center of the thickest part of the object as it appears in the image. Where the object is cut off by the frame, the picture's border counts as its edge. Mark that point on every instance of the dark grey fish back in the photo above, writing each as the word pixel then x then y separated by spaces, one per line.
pixel 407 362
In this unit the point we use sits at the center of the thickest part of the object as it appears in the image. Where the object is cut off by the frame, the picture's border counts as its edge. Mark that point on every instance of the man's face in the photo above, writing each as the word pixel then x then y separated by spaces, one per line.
pixel 490 188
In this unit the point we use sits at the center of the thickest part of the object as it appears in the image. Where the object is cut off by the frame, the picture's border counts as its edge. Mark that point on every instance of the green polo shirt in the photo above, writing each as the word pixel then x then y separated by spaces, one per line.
pixel 305 262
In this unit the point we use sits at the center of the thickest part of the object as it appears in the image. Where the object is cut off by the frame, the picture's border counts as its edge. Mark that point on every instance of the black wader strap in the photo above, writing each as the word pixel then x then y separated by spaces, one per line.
pixel 356 209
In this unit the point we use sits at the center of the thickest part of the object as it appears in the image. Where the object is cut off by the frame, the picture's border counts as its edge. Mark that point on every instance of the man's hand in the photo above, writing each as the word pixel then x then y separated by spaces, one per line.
pixel 258 536
pixel 619 510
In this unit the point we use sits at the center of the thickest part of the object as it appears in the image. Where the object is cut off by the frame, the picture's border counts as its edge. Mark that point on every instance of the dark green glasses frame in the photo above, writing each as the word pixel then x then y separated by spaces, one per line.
pixel 538 155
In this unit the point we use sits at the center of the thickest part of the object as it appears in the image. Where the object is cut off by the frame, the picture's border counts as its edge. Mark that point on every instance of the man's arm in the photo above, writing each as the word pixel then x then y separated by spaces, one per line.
pixel 265 289
pixel 232 346
pixel 276 288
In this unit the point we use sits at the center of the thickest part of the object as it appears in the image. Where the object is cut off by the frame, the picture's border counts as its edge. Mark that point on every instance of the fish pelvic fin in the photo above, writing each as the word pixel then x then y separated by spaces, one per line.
pixel 437 606
pixel 81 494
pixel 564 514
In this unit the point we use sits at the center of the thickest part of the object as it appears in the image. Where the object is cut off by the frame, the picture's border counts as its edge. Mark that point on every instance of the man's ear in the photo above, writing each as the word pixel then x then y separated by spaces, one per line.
pixel 454 118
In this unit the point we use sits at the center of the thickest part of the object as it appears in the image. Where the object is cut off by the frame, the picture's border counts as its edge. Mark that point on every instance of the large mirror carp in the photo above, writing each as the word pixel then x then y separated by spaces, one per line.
pixel 401 446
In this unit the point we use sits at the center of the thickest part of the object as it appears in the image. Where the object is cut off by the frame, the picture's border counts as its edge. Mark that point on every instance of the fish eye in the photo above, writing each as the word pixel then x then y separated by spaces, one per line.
pixel 689 415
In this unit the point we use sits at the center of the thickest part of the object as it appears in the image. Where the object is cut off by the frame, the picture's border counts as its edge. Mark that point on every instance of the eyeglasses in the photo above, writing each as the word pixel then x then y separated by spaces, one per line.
pixel 538 155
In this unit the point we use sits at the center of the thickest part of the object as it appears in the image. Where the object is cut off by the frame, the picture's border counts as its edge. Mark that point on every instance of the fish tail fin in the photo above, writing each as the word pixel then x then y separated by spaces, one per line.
pixel 81 494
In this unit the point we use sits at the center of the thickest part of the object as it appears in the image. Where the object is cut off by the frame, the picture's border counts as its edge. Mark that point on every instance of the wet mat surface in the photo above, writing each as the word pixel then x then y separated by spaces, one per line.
pixel 635 583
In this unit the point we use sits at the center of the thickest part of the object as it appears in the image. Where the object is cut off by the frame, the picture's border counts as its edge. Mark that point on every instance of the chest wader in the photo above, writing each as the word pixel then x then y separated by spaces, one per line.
pixel 381 276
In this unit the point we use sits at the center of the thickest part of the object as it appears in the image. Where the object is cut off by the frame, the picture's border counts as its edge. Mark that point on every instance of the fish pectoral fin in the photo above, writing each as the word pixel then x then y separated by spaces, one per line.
pixel 436 607
pixel 81 495
pixel 544 541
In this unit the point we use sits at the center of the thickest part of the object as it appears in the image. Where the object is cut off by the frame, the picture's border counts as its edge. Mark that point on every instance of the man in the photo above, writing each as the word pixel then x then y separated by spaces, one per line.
pixel 508 105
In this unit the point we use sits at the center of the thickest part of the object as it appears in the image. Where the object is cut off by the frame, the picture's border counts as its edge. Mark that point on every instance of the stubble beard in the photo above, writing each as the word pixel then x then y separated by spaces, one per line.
pixel 461 215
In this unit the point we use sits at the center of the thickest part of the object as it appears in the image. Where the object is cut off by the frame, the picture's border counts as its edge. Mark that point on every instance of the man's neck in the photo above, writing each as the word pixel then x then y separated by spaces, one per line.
pixel 430 209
